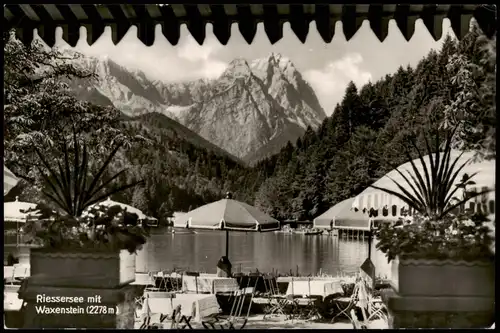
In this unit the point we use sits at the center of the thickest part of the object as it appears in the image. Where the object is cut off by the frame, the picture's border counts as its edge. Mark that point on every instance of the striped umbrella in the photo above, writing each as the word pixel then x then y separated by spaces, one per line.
pixel 9 180
pixel 372 198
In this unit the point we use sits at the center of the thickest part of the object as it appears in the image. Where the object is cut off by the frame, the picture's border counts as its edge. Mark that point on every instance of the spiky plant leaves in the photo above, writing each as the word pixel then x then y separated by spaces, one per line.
pixel 434 185
pixel 71 188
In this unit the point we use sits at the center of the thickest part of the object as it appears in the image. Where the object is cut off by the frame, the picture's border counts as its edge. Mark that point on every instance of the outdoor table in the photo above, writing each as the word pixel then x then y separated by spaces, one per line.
pixel 143 279
pixel 208 284
pixel 13 316
pixel 11 301
pixel 193 306
pixel 16 272
pixel 315 287
pixel 288 279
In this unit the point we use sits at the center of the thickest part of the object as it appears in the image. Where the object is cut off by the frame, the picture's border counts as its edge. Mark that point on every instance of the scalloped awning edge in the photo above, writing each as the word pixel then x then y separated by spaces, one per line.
pixel 46 18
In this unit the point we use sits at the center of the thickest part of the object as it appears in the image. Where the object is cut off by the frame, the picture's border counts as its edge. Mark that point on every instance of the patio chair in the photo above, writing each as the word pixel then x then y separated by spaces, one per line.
pixel 371 308
pixel 152 277
pixel 156 320
pixel 230 321
pixel 196 276
pixel 170 281
pixel 163 277
pixel 151 322
pixel 175 279
pixel 304 307
pixel 276 301
pixel 351 301
pixel 279 304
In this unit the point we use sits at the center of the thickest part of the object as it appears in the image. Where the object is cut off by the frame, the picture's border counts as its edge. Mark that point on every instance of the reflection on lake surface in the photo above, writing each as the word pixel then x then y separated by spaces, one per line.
pixel 263 251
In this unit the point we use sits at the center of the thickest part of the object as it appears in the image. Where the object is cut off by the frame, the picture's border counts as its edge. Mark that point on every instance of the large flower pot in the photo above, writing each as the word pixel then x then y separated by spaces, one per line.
pixel 81 268
pixel 434 278
pixel 441 294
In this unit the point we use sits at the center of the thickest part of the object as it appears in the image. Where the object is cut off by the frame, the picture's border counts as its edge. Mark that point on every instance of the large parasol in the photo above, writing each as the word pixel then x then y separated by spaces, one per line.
pixel 9 180
pixel 229 215
pixel 372 198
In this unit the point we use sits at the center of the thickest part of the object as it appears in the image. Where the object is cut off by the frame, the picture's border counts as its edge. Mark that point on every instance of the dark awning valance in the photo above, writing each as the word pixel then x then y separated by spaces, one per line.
pixel 25 17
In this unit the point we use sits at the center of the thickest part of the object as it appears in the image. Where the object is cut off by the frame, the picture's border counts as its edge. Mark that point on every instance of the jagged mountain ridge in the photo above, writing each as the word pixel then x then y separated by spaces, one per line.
pixel 252 110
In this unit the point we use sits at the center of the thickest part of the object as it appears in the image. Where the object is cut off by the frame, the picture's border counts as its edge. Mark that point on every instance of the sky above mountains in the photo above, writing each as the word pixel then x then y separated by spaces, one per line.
pixel 327 67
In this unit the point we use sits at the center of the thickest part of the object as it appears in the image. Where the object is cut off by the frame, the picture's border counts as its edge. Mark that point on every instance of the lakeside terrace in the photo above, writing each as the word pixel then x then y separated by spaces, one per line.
pixel 308 299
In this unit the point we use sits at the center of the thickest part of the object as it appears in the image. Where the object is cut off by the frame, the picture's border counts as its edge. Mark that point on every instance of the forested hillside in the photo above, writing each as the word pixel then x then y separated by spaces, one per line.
pixel 371 126
pixel 181 170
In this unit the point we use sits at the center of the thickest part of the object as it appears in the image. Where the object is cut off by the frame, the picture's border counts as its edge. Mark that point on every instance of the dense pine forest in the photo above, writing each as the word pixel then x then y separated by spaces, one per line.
pixel 373 124
pixel 360 142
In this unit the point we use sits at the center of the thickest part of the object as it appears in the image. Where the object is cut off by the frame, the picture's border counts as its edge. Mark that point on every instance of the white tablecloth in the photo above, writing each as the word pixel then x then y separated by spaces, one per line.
pixel 314 288
pixel 143 279
pixel 287 279
pixel 11 301
pixel 16 271
pixel 198 306
pixel 209 284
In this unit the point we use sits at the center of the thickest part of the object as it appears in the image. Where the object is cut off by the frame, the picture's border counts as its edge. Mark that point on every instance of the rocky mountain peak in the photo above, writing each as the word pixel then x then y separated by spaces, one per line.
pixel 237 67
pixel 252 110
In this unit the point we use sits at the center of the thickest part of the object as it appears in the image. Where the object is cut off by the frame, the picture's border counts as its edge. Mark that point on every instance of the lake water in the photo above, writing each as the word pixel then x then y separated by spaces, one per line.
pixel 266 252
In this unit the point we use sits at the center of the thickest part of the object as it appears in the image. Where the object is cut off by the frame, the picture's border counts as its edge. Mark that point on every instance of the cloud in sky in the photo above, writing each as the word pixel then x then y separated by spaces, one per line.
pixel 328 67
pixel 209 67
pixel 330 81
pixel 161 61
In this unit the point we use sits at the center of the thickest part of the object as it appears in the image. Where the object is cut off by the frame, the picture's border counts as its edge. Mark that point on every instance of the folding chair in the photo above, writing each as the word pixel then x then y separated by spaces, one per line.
pixel 164 277
pixel 196 276
pixel 151 322
pixel 175 279
pixel 371 308
pixel 351 303
pixel 276 301
pixel 235 314
pixel 152 286
pixel 174 315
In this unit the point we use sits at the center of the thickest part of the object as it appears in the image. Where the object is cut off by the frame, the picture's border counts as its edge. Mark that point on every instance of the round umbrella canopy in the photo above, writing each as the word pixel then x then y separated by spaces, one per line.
pixel 341 215
pixel 14 215
pixel 372 198
pixel 9 180
pixel 230 215
pixel 14 211
pixel 110 203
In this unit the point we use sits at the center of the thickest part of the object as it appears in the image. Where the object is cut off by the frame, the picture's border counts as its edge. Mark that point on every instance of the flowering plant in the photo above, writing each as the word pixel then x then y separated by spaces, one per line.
pixel 440 227
pixel 463 236
pixel 100 227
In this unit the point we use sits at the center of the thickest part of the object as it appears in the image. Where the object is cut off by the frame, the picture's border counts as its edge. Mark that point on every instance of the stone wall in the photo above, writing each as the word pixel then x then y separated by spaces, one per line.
pixel 438 312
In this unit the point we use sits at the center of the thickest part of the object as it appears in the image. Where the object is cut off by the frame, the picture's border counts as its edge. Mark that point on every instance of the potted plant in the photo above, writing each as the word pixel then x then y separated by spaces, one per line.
pixel 81 244
pixel 443 250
